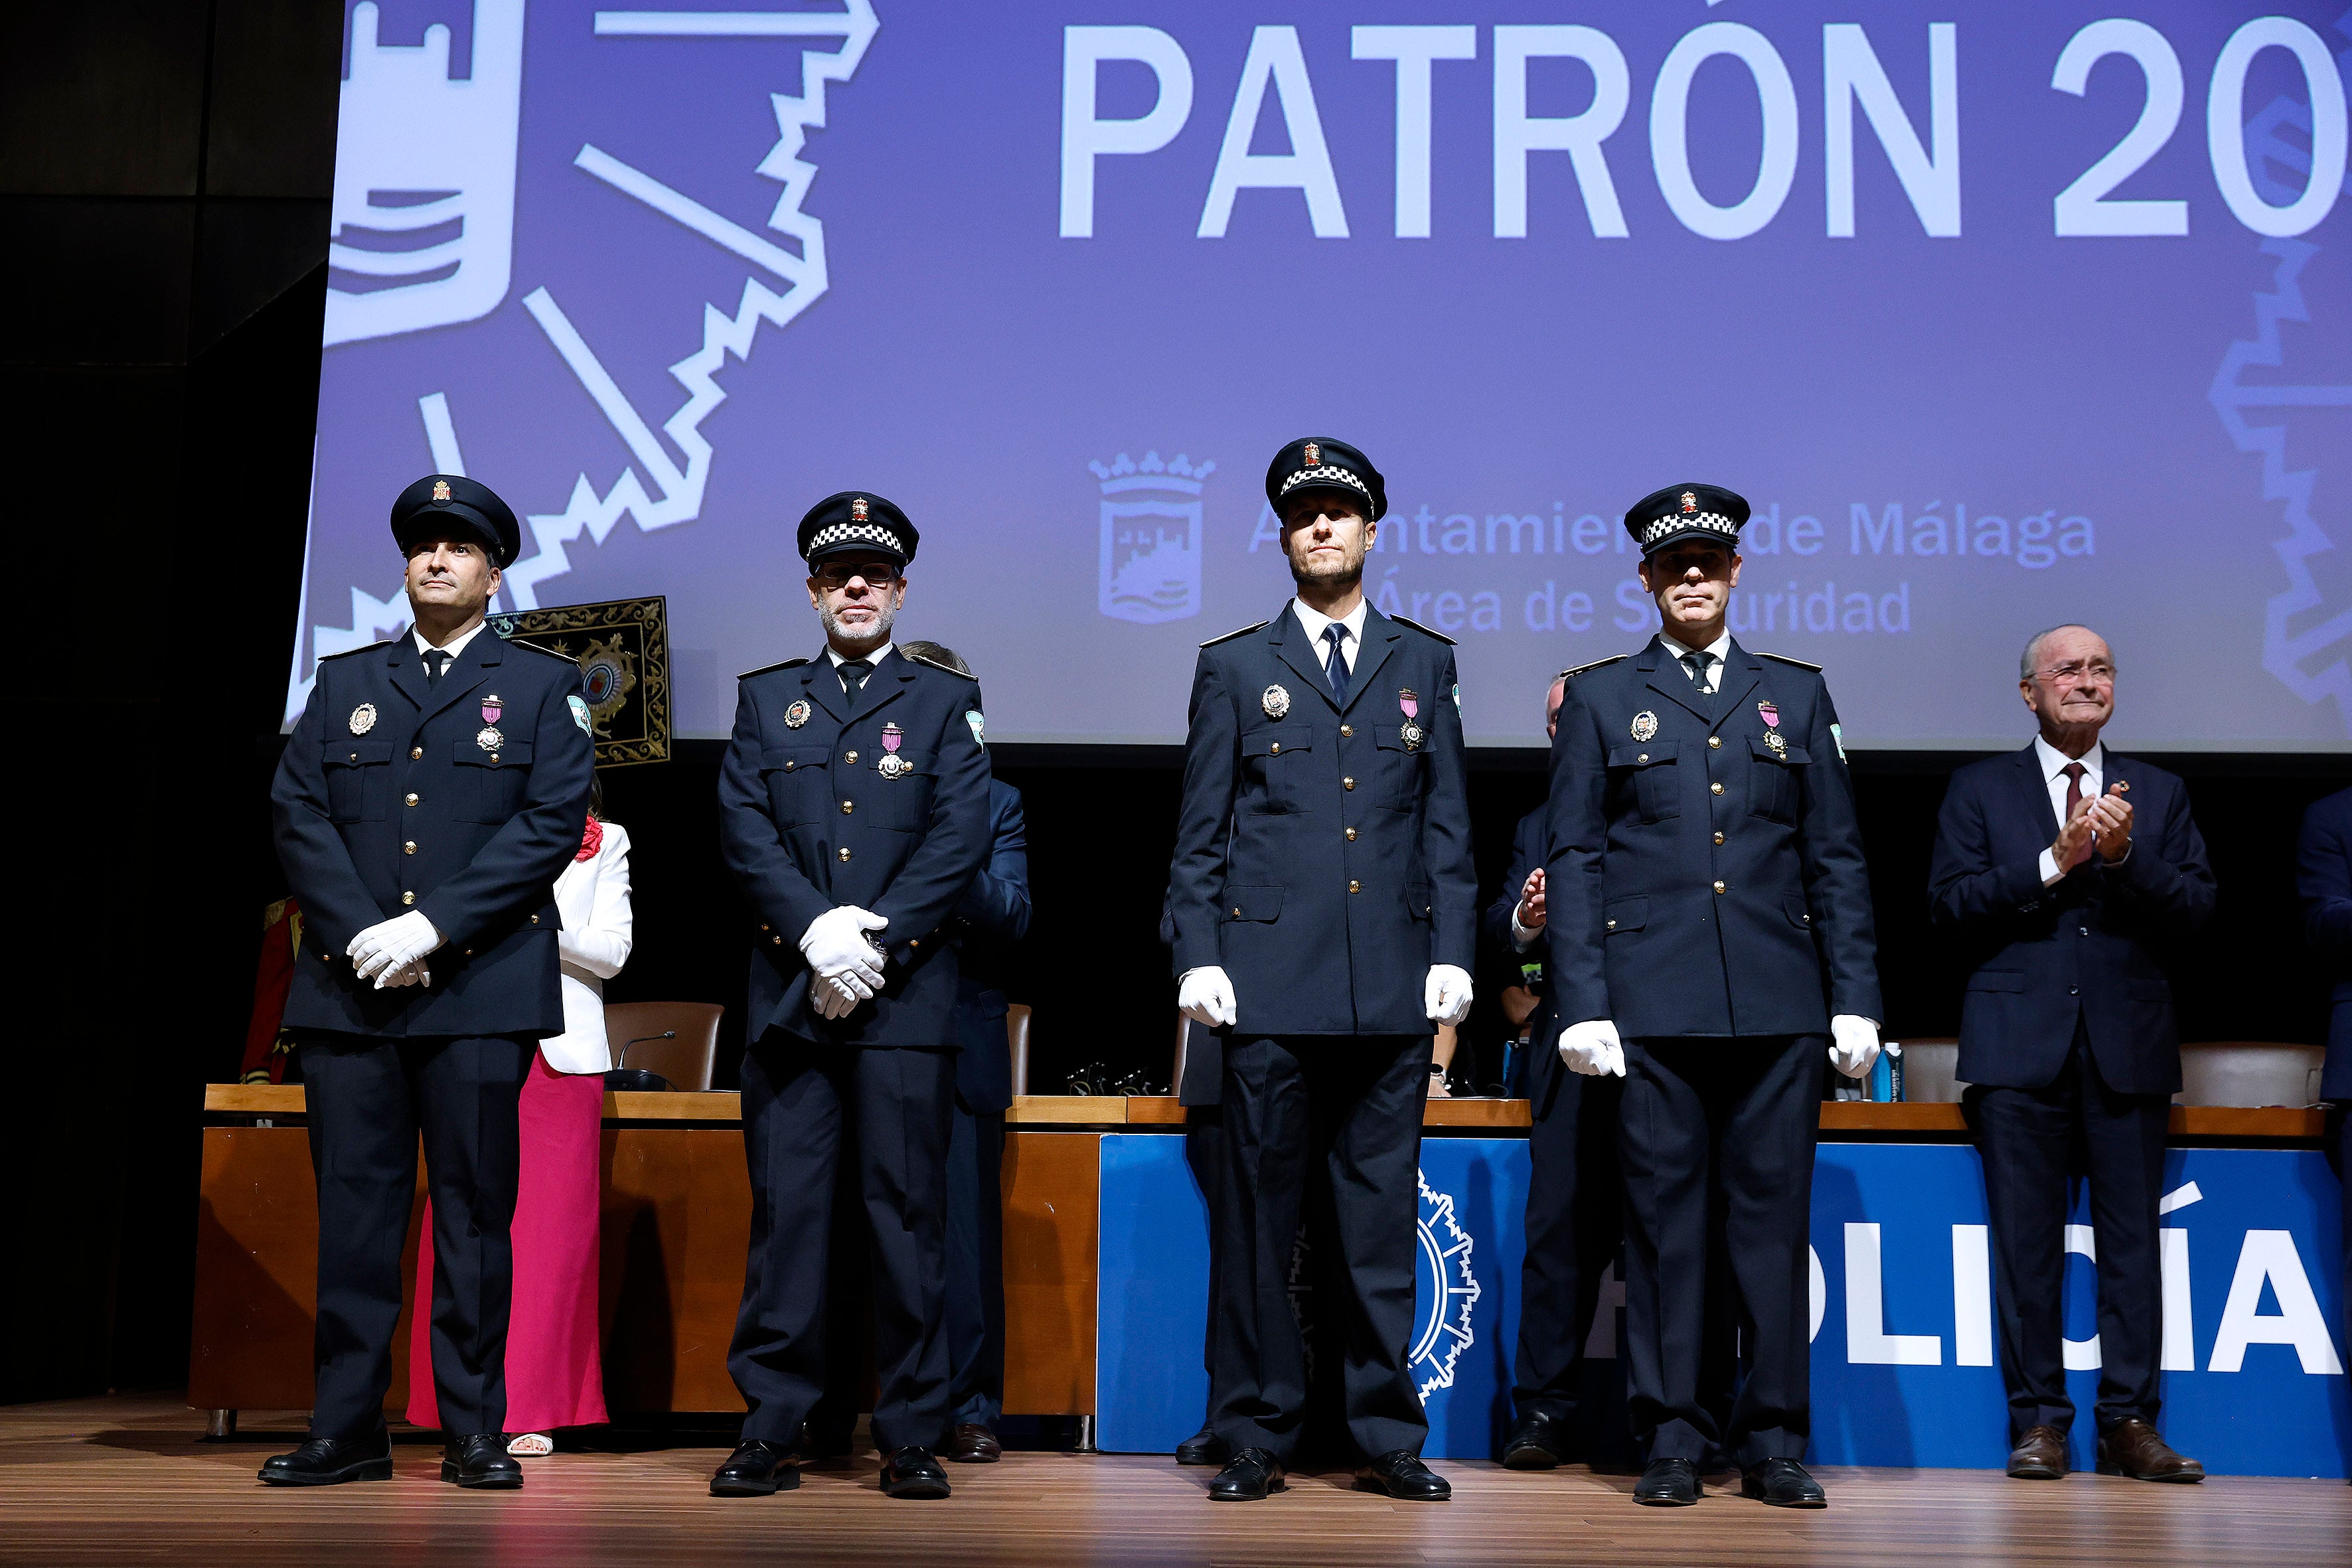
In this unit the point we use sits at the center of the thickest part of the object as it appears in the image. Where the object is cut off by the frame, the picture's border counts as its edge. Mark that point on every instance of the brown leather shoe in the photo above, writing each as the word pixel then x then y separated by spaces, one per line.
pixel 2039 1455
pixel 2133 1449
pixel 972 1444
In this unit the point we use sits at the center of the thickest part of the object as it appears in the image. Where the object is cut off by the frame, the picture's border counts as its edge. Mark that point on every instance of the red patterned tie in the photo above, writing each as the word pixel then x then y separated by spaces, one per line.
pixel 2074 772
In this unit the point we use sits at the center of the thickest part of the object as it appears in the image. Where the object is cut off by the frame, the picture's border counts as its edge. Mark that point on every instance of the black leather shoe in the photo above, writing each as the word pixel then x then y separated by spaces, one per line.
pixel 913 1472
pixel 1667 1483
pixel 1247 1476
pixel 480 1461
pixel 1783 1484
pixel 1403 1477
pixel 332 1461
pixel 756 1469
pixel 1202 1447
pixel 1538 1442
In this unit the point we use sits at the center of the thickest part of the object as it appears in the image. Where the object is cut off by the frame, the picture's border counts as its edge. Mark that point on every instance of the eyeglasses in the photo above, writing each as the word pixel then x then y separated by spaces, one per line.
pixel 836 574
pixel 2098 672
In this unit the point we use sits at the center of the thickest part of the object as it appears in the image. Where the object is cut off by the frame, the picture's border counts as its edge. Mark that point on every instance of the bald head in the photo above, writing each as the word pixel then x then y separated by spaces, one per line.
pixel 2067 677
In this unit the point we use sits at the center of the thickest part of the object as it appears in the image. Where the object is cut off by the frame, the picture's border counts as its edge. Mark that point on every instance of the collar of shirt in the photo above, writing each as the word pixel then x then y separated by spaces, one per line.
pixel 1316 620
pixel 2053 763
pixel 455 646
pixel 1720 648
pixel 873 658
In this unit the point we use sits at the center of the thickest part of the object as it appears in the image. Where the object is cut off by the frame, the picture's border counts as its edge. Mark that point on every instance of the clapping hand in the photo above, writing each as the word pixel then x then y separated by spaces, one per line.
pixel 2110 816
pixel 1530 912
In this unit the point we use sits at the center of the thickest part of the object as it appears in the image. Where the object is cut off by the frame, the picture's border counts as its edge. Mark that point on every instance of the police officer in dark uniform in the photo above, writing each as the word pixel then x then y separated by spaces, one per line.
pixel 425 804
pixel 1710 938
pixel 1325 913
pixel 854 811
pixel 1574 1214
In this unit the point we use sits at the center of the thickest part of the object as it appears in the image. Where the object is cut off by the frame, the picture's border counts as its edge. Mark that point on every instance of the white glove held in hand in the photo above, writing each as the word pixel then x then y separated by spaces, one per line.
pixel 1206 997
pixel 392 945
pixel 1854 1044
pixel 1592 1048
pixel 831 998
pixel 834 945
pixel 417 973
pixel 1445 995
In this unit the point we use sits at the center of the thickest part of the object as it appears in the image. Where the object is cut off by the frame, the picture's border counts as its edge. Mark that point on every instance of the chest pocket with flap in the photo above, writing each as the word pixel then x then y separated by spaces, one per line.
pixel 1774 785
pixel 799 781
pixel 1275 758
pixel 1647 767
pixel 490 784
pixel 359 779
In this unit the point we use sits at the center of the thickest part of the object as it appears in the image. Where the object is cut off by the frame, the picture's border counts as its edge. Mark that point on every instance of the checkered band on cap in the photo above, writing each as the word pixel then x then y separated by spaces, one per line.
pixel 839 533
pixel 1687 522
pixel 1325 475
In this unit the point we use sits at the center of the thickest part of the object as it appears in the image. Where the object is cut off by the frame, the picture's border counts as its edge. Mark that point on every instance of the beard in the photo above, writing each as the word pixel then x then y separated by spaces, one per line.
pixel 1348 568
pixel 873 633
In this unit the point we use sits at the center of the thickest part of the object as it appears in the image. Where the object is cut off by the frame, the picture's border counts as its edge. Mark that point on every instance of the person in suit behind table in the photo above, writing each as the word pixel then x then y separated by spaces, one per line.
pixel 854 813
pixel 554 1365
pixel 426 801
pixel 1326 914
pixel 2322 875
pixel 1574 1213
pixel 1711 942
pixel 2072 873
pixel 992 915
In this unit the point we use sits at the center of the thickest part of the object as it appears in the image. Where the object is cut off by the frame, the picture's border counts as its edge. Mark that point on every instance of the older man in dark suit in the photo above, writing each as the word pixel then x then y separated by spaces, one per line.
pixel 2072 874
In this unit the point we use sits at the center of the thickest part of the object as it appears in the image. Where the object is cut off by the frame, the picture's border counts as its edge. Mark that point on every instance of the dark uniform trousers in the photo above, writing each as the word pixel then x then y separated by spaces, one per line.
pixel 1720 1130
pixel 975 1262
pixel 1351 1106
pixel 1575 1221
pixel 878 1115
pixel 369 1099
pixel 2027 1138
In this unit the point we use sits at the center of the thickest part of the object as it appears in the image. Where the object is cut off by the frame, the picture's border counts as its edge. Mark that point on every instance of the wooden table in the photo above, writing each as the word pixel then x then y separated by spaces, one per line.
pixel 677 1213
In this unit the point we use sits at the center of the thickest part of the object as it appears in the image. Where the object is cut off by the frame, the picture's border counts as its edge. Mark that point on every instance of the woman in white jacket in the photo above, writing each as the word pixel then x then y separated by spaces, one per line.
pixel 554 1356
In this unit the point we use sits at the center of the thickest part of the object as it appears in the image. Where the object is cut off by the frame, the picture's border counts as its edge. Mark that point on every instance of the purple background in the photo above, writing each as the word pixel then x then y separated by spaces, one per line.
pixel 967 363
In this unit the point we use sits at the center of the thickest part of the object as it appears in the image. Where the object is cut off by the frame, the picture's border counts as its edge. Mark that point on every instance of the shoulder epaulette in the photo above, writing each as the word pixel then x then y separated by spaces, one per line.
pixel 1784 658
pixel 347 653
pixel 1238 632
pixel 1425 631
pixel 1596 664
pixel 769 668
pixel 927 662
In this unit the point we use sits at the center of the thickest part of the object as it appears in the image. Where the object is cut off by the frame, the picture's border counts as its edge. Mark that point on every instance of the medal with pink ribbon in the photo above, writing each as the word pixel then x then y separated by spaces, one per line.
pixel 892 765
pixel 1412 733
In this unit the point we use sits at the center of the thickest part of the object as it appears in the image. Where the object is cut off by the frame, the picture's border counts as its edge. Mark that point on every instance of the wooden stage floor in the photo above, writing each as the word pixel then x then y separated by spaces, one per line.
pixel 124 1480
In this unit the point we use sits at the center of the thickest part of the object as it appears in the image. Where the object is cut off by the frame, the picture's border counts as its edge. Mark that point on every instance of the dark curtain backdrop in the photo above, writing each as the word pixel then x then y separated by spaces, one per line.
pixel 164 173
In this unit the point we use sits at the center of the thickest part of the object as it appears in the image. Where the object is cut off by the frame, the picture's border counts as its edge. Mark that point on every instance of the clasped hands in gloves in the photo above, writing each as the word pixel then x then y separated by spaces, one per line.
pixel 1206 997
pixel 392 952
pixel 847 965
pixel 1593 1049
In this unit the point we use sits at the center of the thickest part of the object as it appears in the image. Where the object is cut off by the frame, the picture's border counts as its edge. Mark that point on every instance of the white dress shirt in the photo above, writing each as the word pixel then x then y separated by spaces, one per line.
pixel 455 646
pixel 1720 648
pixel 1353 623
pixel 2053 764
pixel 599 929
pixel 873 658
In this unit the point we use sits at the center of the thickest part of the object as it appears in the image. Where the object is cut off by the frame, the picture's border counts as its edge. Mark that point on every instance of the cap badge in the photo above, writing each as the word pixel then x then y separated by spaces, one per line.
pixel 797 714
pixel 1411 733
pixel 1644 725
pixel 1771 713
pixel 362 718
pixel 857 510
pixel 441 489
pixel 1313 454
pixel 1277 702
pixel 890 764
pixel 490 740
pixel 492 708
pixel 1690 502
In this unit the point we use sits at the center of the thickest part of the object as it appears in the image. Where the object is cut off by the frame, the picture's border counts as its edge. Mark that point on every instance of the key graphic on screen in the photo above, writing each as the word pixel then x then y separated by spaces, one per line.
pixel 424 178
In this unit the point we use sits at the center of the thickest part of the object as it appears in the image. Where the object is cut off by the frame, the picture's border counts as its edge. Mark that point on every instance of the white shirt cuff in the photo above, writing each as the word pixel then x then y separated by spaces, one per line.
pixel 2050 875
pixel 1521 937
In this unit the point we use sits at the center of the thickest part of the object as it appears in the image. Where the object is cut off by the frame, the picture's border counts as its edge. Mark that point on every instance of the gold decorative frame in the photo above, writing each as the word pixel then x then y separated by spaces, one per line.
pixel 629 635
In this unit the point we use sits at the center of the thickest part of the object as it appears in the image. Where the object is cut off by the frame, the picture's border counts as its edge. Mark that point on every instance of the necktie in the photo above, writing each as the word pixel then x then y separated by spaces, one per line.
pixel 1334 668
pixel 1697 664
pixel 437 664
pixel 2074 771
pixel 853 672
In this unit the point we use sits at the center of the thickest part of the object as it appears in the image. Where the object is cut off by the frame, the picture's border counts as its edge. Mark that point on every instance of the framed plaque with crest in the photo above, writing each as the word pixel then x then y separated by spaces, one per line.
pixel 622 650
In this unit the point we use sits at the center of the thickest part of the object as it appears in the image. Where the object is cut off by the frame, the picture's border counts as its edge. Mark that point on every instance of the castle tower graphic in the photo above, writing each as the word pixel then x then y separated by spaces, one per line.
pixel 1151 538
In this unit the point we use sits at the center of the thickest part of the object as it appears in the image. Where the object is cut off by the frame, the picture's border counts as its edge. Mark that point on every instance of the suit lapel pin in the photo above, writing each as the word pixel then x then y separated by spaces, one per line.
pixel 362 718
pixel 1277 702
pixel 1411 733
pixel 891 765
pixel 797 714
pixel 1644 725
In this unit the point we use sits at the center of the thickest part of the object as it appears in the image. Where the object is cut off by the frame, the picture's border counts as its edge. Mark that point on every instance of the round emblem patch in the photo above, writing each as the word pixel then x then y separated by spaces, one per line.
pixel 1644 725
pixel 362 718
pixel 1277 702
pixel 491 739
pixel 797 714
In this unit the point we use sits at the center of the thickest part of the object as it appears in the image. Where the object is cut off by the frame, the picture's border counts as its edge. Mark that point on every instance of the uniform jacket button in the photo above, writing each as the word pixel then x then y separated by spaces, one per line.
pixel 1714 742
pixel 469 953
pixel 2073 991
pixel 1346 732
pixel 776 940
pixel 1643 758
pixel 409 848
pixel 1354 886
pixel 1351 836
pixel 1275 749
pixel 411 898
pixel 1347 784
pixel 1717 788
pixel 1612 925
pixel 1718 887
pixel 851 758
pixel 844 851
pixel 416 753
pixel 789 767
pixel 1719 839
pixel 411 798
pixel 1237 912
pixel 534 919
pixel 847 806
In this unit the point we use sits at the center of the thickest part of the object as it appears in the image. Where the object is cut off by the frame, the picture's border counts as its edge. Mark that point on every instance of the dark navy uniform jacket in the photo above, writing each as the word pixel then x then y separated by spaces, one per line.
pixel 2322 875
pixel 990 916
pixel 1703 881
pixel 1527 851
pixel 809 820
pixel 416 813
pixel 2094 947
pixel 1320 860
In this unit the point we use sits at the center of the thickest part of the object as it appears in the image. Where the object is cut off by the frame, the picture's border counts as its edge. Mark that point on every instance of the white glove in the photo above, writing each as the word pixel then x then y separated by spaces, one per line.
pixel 417 973
pixel 1592 1048
pixel 1854 1044
pixel 1445 995
pixel 831 998
pixel 391 945
pixel 1206 997
pixel 834 945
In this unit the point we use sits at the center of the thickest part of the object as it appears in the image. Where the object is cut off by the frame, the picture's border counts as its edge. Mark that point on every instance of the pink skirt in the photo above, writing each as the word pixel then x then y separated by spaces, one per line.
pixel 555 1375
